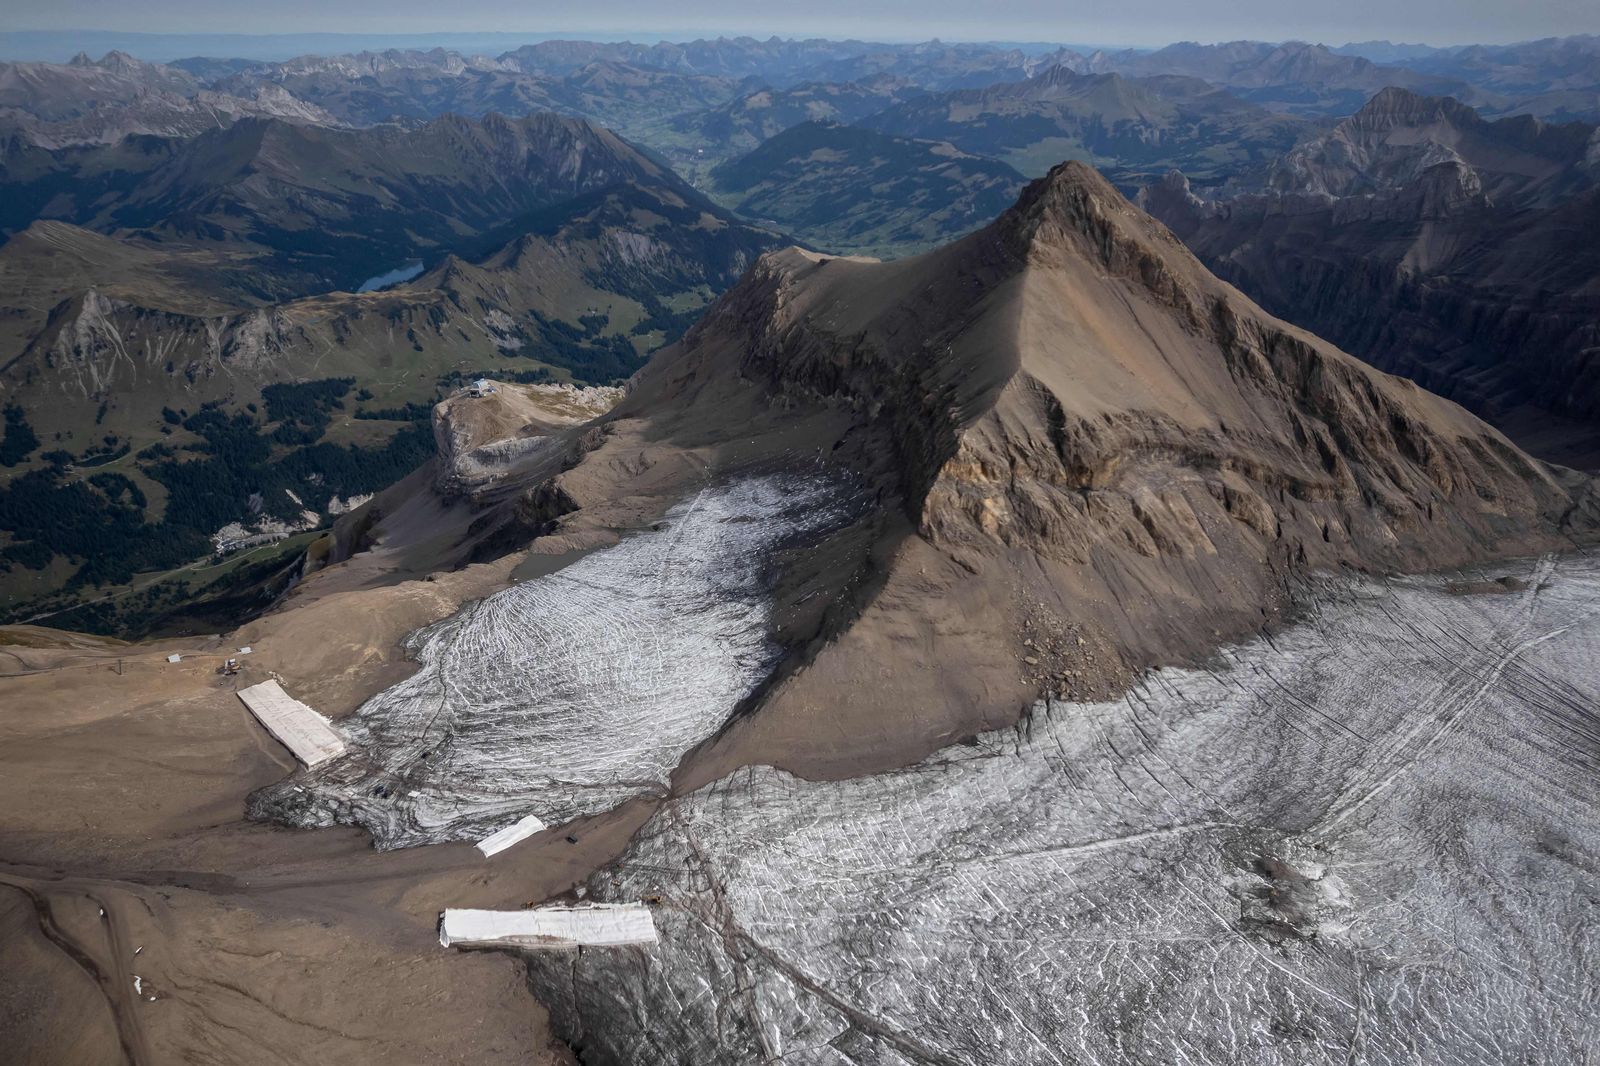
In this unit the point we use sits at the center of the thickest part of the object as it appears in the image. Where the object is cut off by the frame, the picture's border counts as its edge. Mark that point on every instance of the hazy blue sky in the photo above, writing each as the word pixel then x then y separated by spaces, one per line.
pixel 1135 22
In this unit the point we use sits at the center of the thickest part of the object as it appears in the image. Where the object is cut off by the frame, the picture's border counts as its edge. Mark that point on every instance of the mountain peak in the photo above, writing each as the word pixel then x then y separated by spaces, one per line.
pixel 1393 106
pixel 120 61
pixel 1069 192
pixel 1074 210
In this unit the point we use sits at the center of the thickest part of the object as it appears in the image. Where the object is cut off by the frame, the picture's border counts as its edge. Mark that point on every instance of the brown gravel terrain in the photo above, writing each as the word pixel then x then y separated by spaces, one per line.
pixel 1084 455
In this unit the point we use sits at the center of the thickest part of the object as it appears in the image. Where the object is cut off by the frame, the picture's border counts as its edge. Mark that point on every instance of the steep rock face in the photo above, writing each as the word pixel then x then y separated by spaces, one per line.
pixel 1086 442
pixel 1399 136
pixel 1433 244
pixel 1251 395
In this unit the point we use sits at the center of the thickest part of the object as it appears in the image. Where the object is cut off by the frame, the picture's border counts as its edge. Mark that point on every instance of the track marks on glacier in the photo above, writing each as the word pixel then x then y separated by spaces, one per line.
pixel 1345 845
pixel 569 694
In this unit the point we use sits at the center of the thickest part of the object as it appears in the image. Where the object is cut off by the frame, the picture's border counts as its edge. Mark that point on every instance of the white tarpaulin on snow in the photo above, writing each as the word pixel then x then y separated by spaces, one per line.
pixel 501 840
pixel 311 737
pixel 586 925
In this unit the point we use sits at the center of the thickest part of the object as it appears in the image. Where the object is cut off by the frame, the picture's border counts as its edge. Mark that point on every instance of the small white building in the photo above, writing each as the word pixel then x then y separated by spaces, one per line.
pixel 482 387
pixel 514 833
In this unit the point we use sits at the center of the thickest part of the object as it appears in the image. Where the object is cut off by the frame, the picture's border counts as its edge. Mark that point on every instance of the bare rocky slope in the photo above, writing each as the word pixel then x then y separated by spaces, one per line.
pixel 1074 452
pixel 1090 455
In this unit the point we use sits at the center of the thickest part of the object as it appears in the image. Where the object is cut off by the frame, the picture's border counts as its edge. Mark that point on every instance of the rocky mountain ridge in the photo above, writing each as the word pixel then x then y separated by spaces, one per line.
pixel 88 102
pixel 1435 244
pixel 1069 423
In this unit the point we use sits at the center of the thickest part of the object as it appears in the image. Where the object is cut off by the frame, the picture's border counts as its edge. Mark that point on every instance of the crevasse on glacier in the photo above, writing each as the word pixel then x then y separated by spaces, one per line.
pixel 1374 838
pixel 568 694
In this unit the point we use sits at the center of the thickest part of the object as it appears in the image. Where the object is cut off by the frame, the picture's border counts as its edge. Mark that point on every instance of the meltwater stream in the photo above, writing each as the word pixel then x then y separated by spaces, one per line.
pixel 569 694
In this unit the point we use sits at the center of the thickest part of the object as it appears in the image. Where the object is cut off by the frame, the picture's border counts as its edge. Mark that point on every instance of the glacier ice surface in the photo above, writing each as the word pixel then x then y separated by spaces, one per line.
pixel 570 693
pixel 1373 838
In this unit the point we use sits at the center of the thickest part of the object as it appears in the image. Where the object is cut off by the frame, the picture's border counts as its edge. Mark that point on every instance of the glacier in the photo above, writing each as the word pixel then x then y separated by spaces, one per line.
pixel 571 693
pixel 1372 837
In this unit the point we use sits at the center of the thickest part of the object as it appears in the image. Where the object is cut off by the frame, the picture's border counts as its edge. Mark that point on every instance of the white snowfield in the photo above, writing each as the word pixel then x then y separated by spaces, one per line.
pixel 516 832
pixel 556 927
pixel 571 693
pixel 1373 839
pixel 309 736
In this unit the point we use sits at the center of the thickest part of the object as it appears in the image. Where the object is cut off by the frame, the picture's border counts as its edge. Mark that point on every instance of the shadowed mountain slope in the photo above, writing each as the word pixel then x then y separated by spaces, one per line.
pixel 1435 244
pixel 326 208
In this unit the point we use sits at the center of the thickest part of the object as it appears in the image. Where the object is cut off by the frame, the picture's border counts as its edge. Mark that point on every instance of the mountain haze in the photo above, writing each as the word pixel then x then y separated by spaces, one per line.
pixel 856 190
pixel 1436 244
pixel 1128 124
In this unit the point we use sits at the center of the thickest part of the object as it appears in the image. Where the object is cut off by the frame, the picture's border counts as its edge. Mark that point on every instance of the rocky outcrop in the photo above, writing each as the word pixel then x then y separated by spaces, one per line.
pixel 95 345
pixel 1399 136
pixel 483 437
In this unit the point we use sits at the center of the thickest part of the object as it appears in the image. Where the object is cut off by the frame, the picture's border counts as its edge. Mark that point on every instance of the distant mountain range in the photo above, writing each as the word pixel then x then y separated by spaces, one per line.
pixel 816 180
pixel 633 87
pixel 178 238
pixel 100 102
pixel 1557 78
pixel 1437 244
pixel 1119 123
pixel 744 122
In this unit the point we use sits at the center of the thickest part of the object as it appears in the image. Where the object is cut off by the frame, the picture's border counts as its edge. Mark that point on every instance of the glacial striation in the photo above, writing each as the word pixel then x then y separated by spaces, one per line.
pixel 1370 838
pixel 571 693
